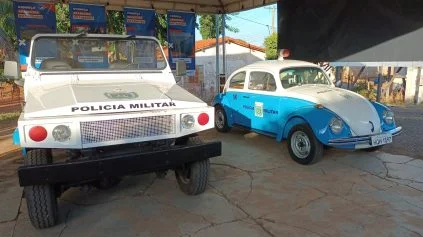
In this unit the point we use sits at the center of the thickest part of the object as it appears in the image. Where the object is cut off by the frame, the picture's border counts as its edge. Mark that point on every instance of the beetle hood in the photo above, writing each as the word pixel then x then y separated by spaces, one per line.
pixel 353 108
pixel 77 99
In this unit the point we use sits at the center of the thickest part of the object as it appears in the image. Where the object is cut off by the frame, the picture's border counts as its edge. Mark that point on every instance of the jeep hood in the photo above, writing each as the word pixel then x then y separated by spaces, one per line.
pixel 353 108
pixel 79 99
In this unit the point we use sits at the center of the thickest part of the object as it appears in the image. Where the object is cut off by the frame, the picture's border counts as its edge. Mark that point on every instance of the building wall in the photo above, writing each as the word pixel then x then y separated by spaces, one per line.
pixel 410 90
pixel 236 57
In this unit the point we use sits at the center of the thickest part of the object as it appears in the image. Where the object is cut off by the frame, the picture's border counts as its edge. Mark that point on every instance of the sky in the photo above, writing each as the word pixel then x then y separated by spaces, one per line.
pixel 251 24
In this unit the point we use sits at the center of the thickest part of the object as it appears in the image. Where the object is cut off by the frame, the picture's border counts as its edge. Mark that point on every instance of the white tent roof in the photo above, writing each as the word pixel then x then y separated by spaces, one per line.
pixel 198 6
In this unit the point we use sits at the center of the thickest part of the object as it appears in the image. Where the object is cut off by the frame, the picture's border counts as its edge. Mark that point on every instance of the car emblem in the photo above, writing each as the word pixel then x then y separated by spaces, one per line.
pixel 121 95
pixel 235 96
pixel 373 126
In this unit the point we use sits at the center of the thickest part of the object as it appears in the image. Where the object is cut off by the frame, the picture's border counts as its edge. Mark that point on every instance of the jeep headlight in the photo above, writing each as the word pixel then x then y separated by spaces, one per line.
pixel 336 125
pixel 388 117
pixel 61 133
pixel 187 121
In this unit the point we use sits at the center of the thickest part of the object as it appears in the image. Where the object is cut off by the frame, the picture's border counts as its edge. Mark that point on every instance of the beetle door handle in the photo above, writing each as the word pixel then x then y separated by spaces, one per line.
pixel 247 97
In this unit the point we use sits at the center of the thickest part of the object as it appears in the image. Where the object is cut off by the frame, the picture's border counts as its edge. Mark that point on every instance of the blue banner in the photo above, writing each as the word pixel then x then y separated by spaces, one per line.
pixel 32 18
pixel 140 22
pixel 181 39
pixel 87 18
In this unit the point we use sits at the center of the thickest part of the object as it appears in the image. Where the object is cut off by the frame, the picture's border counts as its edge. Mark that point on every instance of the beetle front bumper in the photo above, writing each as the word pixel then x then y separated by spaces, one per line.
pixel 360 140
pixel 116 163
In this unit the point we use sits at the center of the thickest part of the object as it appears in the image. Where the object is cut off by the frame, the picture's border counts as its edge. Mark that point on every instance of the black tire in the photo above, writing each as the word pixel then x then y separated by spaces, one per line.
pixel 193 177
pixel 41 199
pixel 315 151
pixel 221 120
pixel 373 149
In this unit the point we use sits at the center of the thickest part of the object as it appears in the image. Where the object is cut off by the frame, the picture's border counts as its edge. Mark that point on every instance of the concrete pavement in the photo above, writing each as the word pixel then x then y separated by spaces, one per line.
pixel 255 189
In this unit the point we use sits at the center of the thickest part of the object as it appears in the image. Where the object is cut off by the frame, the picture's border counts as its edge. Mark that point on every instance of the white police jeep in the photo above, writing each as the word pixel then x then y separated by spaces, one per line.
pixel 112 103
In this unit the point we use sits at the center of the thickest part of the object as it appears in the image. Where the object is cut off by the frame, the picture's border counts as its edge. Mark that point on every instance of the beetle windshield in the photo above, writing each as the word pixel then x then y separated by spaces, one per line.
pixel 302 75
pixel 96 53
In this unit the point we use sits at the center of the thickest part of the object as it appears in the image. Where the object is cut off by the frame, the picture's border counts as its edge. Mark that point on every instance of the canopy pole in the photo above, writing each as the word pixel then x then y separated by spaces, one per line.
pixel 224 46
pixel 217 54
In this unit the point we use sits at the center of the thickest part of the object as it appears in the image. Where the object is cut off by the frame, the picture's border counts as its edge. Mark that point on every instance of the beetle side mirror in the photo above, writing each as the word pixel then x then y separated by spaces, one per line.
pixel 338 83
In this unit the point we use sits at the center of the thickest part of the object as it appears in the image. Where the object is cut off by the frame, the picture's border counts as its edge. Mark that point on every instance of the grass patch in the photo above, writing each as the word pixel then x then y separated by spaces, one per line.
pixel 9 116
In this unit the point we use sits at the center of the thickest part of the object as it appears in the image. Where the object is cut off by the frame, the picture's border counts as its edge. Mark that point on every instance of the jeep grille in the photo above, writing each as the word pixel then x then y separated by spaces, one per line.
pixel 132 128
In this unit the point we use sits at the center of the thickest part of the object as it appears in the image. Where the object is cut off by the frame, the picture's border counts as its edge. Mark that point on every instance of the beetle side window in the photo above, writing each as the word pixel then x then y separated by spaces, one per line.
pixel 262 81
pixel 237 81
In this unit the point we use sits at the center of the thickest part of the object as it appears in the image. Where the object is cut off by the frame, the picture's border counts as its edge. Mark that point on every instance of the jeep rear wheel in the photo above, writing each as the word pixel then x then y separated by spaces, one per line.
pixel 193 177
pixel 41 199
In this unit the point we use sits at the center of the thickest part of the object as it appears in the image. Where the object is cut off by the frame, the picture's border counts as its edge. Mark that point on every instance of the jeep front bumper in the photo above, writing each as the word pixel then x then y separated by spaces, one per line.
pixel 116 163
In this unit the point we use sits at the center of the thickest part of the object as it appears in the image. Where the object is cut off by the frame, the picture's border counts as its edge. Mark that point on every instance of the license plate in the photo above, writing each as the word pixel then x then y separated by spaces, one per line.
pixel 381 139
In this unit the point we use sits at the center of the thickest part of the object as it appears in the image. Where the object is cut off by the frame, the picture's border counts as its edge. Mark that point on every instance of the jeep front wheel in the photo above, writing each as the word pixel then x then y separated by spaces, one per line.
pixel 193 177
pixel 41 199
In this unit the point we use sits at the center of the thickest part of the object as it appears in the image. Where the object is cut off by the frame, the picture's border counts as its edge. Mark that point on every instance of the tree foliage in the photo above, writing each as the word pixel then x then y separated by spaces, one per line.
pixel 7 24
pixel 271 46
pixel 208 25
pixel 62 18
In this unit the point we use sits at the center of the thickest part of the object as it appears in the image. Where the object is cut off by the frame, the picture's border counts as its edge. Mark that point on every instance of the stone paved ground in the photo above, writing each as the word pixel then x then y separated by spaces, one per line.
pixel 255 189
pixel 411 142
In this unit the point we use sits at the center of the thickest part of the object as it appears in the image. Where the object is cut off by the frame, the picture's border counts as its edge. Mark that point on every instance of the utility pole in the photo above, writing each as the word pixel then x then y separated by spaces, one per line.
pixel 217 55
pixel 273 9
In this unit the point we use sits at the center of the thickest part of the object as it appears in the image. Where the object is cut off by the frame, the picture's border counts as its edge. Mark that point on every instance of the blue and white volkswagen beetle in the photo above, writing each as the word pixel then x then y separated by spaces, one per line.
pixel 296 101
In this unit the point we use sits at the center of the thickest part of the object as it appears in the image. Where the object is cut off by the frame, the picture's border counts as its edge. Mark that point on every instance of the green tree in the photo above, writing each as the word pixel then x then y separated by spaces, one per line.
pixel 271 46
pixel 7 24
pixel 62 18
pixel 115 22
pixel 208 26
pixel 161 28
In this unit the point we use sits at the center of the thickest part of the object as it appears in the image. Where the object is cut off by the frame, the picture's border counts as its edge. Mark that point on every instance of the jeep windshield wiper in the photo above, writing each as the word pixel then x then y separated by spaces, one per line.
pixel 81 35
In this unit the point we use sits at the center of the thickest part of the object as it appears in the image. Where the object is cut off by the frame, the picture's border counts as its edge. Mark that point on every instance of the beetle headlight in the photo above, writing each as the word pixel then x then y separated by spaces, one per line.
pixel 187 121
pixel 388 117
pixel 336 125
pixel 61 133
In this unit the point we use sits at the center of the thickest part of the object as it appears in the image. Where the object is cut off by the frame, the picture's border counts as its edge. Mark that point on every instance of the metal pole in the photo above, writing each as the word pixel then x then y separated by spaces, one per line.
pixel 224 46
pixel 379 85
pixel 217 54
pixel 416 95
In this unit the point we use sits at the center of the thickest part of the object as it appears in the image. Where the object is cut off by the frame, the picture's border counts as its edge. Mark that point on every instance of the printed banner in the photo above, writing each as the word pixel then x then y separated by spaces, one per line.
pixel 181 39
pixel 32 18
pixel 140 21
pixel 87 18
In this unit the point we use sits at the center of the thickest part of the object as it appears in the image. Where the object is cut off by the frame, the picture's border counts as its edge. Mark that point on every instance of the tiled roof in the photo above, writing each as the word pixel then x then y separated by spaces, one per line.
pixel 208 43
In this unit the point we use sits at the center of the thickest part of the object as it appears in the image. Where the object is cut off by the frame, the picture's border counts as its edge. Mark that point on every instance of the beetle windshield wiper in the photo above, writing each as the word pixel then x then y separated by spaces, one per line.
pixel 130 36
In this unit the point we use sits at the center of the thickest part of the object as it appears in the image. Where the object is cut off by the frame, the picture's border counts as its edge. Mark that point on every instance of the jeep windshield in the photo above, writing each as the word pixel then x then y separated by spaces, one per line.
pixel 90 53
pixel 301 76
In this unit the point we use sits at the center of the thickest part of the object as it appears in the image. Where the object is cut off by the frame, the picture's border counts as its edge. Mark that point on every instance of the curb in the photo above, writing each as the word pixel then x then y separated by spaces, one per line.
pixel 8 153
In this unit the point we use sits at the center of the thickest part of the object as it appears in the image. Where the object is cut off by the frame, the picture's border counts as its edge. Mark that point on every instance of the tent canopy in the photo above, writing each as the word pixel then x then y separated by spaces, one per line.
pixel 198 6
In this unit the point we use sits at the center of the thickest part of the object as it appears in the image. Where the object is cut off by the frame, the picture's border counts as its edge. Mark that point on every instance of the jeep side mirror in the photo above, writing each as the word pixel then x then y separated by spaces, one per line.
pixel 181 68
pixel 11 70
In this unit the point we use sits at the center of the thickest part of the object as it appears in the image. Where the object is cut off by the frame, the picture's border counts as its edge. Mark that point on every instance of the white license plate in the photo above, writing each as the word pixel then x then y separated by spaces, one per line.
pixel 381 139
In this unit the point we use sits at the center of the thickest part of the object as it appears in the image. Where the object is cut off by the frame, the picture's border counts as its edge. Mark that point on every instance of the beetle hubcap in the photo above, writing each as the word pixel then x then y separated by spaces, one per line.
pixel 220 119
pixel 300 144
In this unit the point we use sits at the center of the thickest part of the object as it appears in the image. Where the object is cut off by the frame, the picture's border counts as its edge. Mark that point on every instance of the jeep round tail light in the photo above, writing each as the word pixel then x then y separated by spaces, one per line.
pixel 203 119
pixel 37 133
